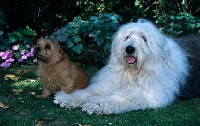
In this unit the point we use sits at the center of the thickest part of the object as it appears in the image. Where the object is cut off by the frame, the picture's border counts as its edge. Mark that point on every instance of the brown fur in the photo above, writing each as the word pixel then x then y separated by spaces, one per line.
pixel 56 71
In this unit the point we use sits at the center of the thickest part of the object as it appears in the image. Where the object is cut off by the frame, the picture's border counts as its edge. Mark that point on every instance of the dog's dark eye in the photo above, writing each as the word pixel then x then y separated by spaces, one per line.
pixel 128 37
pixel 48 47
pixel 144 38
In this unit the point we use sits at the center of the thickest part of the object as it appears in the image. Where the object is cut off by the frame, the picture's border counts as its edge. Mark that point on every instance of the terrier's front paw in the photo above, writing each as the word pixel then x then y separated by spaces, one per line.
pixel 42 96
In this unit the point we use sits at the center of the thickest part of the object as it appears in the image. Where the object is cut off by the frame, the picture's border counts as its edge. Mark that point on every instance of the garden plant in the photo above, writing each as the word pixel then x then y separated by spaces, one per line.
pixel 84 30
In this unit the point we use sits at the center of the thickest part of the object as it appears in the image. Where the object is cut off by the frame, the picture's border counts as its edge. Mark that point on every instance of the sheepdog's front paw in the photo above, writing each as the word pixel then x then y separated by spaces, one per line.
pixel 91 108
pixel 97 108
pixel 66 100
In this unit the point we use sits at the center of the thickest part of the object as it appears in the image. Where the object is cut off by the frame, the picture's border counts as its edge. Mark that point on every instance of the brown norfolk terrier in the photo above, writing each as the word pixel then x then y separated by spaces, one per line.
pixel 56 71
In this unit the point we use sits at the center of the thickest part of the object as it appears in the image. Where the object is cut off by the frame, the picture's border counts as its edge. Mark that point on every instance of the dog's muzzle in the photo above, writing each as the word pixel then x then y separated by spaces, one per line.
pixel 36 52
pixel 130 59
pixel 37 49
pixel 38 55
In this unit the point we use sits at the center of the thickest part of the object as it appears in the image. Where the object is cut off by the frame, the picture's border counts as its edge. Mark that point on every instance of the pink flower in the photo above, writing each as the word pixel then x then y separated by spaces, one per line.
pixel 32 49
pixel 5 64
pixel 10 60
pixel 8 53
pixel 1 54
pixel 15 47
pixel 22 52
pixel 20 60
pixel 5 55
pixel 35 60
pixel 28 46
pixel 24 57
pixel 29 54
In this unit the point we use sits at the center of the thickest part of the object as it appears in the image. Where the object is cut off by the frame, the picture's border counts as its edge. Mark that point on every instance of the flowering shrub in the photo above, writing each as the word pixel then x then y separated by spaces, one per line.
pixel 18 54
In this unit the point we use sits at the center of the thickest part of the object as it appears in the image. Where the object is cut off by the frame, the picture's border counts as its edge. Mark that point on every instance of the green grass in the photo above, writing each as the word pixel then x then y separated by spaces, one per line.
pixel 20 107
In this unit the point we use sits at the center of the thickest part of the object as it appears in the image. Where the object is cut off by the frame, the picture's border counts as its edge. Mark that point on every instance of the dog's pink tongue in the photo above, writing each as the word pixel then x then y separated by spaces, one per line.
pixel 130 59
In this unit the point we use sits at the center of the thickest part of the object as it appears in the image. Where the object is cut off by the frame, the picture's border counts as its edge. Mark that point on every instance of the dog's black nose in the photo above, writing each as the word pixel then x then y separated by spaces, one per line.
pixel 130 49
pixel 37 49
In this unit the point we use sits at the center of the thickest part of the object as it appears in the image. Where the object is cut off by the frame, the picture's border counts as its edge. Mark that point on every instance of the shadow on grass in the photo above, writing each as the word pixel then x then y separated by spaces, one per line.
pixel 20 107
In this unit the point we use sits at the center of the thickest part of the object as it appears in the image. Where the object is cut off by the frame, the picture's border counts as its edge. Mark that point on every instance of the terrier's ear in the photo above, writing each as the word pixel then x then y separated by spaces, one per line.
pixel 57 56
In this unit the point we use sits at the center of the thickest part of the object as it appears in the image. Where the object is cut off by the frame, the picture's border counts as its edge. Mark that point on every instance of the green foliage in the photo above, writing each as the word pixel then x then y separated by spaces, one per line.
pixel 24 36
pixel 173 17
pixel 101 28
pixel 89 35
pixel 16 45
pixel 70 35
pixel 179 24
pixel 172 21
pixel 92 36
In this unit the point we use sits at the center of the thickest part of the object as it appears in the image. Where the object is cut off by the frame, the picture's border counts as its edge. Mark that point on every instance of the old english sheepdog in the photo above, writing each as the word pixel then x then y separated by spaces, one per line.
pixel 145 70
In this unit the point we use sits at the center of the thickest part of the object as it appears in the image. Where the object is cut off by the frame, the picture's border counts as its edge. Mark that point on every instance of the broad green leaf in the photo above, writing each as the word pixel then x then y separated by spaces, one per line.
pixel 198 25
pixel 93 18
pixel 97 24
pixel 70 42
pixel 12 38
pixel 71 31
pixel 77 19
pixel 62 30
pixel 108 45
pixel 76 38
pixel 70 25
pixel 91 35
pixel 66 34
pixel 99 40
pixel 61 38
pixel 78 48
pixel 76 30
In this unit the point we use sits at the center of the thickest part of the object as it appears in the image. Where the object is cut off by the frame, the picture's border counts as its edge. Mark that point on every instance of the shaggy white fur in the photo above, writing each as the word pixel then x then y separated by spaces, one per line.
pixel 145 70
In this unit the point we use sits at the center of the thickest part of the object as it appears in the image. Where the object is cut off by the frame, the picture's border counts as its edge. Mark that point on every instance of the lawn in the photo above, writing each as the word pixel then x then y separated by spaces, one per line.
pixel 20 107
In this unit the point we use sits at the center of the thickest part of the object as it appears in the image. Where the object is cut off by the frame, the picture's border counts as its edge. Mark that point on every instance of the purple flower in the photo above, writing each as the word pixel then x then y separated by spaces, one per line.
pixel 5 64
pixel 15 47
pixel 29 54
pixel 5 55
pixel 20 60
pixel 28 46
pixel 10 60
pixel 22 52
pixel 1 54
pixel 35 60
pixel 24 57
pixel 8 53
pixel 32 49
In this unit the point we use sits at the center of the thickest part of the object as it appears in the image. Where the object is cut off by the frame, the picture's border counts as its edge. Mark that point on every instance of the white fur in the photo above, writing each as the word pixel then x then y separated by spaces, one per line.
pixel 152 82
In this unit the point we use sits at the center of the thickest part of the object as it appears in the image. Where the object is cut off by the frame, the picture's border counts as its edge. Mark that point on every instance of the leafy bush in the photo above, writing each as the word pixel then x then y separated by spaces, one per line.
pixel 182 23
pixel 87 38
pixel 173 19
pixel 90 38
pixel 18 47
